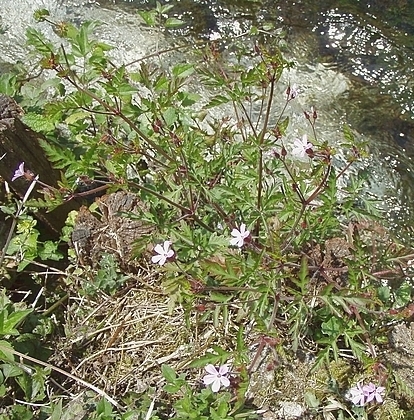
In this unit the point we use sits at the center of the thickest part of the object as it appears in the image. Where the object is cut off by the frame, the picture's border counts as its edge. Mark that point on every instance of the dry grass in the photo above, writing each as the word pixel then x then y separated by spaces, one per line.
pixel 118 343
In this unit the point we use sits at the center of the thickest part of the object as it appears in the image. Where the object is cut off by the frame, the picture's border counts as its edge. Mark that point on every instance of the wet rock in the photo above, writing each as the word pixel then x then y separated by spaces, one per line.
pixel 401 357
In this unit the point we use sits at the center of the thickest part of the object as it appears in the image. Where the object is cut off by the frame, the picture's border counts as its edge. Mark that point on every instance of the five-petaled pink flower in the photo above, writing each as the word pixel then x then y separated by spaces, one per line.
pixel 373 392
pixel 361 395
pixel 357 395
pixel 19 172
pixel 300 147
pixel 239 236
pixel 216 378
pixel 163 253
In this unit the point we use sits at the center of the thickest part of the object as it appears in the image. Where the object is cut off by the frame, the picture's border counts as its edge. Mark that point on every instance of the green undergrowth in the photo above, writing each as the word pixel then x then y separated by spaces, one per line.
pixel 272 252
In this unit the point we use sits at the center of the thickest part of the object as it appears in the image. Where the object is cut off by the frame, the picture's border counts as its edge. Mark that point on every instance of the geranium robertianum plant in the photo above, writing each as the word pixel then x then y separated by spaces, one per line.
pixel 251 220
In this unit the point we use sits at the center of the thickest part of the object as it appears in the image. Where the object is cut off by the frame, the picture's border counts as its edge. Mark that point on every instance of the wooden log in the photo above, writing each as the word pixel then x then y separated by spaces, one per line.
pixel 19 143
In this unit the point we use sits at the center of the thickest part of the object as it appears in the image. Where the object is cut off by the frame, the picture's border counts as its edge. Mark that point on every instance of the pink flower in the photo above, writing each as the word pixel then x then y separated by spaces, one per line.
pixel 361 395
pixel 216 378
pixel 372 392
pixel 357 395
pixel 19 172
pixel 292 92
pixel 239 236
pixel 301 146
pixel 164 253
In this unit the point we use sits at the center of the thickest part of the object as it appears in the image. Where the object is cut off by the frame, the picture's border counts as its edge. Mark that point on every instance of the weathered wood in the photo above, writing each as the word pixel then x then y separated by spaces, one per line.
pixel 113 233
pixel 21 144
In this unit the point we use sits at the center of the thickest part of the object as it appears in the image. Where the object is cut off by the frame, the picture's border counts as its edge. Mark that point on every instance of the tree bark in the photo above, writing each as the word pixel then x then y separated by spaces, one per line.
pixel 18 143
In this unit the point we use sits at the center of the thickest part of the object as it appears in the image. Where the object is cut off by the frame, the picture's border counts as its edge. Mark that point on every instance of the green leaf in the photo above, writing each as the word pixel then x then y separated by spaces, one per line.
pixel 217 100
pixel 104 408
pixel 150 17
pixel 322 357
pixel 7 210
pixel 163 9
pixel 283 125
pixel 83 46
pixel 37 40
pixel 188 99
pixel 39 15
pixel 170 116
pixel 11 370
pixel 349 136
pixel 38 383
pixel 9 322
pixel 8 84
pixel 172 388
pixel 6 351
pixel 38 122
pixel 403 295
pixel 208 358
pixel 332 327
pixel 168 373
pixel 303 272
pixel 311 399
pixel 49 251
pixel 220 297
pixel 61 157
pixel 183 70
pixel 77 116
pixel 222 409
pixel 57 412
pixel 268 26
pixel 173 23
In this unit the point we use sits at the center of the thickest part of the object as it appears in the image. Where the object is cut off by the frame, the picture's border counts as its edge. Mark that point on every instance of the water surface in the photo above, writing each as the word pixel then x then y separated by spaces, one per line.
pixel 354 63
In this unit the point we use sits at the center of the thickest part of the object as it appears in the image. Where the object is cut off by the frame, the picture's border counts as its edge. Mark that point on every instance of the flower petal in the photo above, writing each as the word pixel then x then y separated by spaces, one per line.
pixel 358 400
pixel 236 242
pixel 370 397
pixel 223 370
pixel 209 379
pixel 246 234
pixel 159 249
pixel 211 369
pixel 235 233
pixel 158 259
pixel 369 388
pixel 18 172
pixel 225 381
pixel 170 253
pixel 216 385
pixel 166 246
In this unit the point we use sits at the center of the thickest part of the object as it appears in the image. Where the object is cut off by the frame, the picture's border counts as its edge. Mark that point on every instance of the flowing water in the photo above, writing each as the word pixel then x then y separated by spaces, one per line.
pixel 354 63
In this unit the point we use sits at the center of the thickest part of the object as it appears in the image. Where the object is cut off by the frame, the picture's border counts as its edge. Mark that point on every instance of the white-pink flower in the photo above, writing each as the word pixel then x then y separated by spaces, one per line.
pixel 216 378
pixel 163 253
pixel 373 392
pixel 301 146
pixel 239 236
pixel 357 395
pixel 361 395
pixel 292 92
pixel 19 172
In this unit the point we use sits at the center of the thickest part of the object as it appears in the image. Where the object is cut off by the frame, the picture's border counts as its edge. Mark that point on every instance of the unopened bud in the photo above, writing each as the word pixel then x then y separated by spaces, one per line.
pixel 310 152
pixel 292 92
